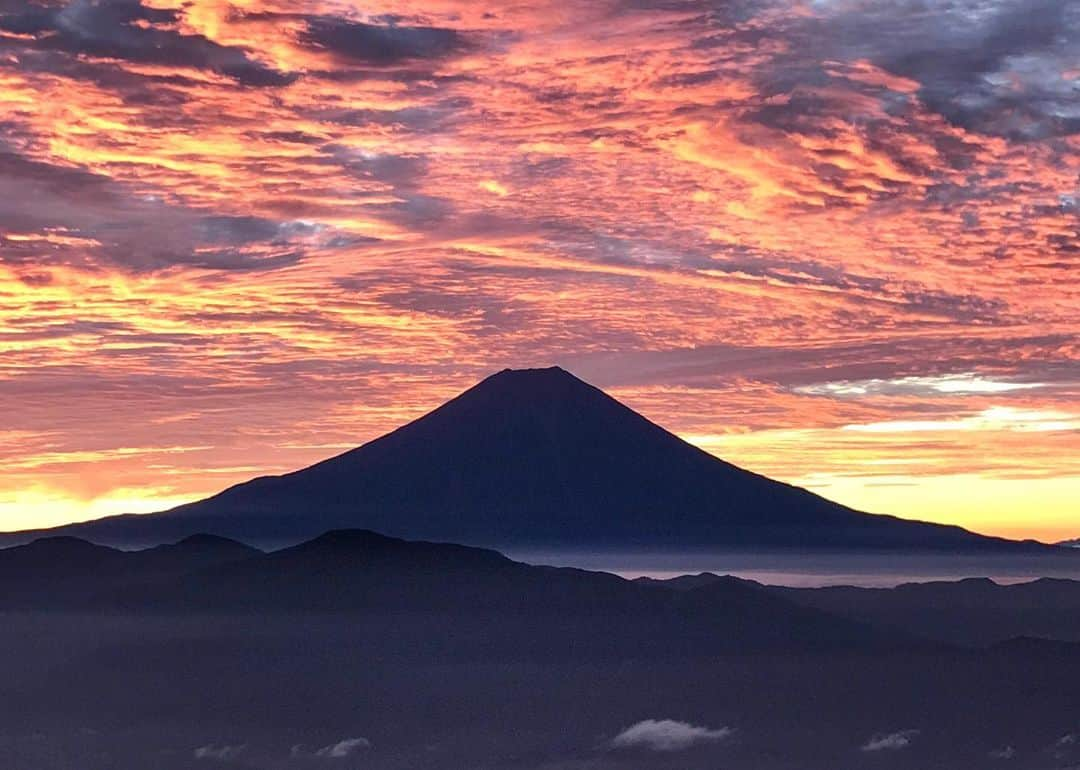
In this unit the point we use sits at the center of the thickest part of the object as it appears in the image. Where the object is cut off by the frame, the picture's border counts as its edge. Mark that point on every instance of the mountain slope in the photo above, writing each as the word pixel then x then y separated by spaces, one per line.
pixel 65 571
pixel 973 611
pixel 535 458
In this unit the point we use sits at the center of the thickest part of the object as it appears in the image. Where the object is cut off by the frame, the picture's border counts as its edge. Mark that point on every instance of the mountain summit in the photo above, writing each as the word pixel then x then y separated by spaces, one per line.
pixel 532 458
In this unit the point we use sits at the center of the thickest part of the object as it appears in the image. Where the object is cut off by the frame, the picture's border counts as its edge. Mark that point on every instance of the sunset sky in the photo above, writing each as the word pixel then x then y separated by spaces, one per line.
pixel 833 241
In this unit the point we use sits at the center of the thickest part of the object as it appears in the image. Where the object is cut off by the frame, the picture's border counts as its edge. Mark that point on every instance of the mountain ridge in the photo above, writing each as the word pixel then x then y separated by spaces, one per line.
pixel 419 587
pixel 68 571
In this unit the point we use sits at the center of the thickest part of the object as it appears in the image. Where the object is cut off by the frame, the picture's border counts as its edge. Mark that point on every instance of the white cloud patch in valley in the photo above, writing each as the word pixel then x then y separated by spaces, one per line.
pixel 890 741
pixel 343 749
pixel 667 735
pixel 220 753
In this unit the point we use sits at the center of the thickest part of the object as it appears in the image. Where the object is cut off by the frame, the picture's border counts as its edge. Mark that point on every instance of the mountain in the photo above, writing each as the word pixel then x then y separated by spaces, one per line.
pixel 66 571
pixel 685 582
pixel 974 611
pixel 535 458
pixel 356 649
pixel 440 597
pixel 1071 543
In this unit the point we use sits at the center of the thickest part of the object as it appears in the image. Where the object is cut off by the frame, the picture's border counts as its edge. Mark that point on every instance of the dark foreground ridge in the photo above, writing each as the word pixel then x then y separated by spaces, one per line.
pixel 536 458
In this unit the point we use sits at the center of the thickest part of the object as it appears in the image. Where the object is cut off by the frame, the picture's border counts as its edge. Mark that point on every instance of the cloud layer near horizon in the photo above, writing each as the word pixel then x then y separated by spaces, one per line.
pixel 830 240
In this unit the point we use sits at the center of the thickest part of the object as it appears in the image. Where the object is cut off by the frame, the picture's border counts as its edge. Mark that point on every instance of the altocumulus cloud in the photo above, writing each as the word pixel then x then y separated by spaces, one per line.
pixel 890 741
pixel 667 735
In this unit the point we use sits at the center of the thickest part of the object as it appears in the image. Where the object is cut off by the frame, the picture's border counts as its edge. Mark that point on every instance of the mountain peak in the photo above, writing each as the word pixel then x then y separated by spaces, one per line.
pixel 65 545
pixel 534 372
pixel 527 385
pixel 206 540
pixel 364 546
pixel 55 557
pixel 354 538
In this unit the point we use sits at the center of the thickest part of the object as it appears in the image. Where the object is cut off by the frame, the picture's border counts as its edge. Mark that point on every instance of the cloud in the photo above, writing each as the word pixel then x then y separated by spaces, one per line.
pixel 1064 746
pixel 890 741
pixel 1000 66
pixel 127 30
pixel 343 749
pixel 223 753
pixel 380 45
pixel 967 382
pixel 1005 752
pixel 667 735
pixel 807 201
pixel 76 216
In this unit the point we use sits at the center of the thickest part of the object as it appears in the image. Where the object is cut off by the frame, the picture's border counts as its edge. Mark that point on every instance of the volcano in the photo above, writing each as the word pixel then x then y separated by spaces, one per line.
pixel 534 458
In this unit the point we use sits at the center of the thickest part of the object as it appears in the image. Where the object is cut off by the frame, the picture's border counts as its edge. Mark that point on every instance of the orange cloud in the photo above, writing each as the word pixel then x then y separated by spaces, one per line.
pixel 263 231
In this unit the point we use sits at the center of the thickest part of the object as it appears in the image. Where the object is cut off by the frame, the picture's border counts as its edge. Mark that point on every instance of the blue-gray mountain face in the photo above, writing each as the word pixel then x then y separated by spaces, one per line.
pixel 536 458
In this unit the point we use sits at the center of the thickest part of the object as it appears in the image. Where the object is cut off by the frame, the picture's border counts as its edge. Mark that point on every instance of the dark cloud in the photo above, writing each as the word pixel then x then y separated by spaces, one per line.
pixel 160 90
pixel 438 116
pixel 996 67
pixel 380 45
pixel 399 172
pixel 80 216
pixel 228 230
pixel 129 31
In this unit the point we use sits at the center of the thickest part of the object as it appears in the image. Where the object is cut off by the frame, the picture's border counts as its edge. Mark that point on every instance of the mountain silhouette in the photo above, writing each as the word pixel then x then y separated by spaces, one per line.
pixel 461 599
pixel 972 611
pixel 65 571
pixel 534 458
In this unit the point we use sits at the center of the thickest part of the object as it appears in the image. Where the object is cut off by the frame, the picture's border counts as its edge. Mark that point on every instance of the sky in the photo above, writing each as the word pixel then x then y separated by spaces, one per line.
pixel 833 241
